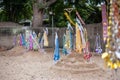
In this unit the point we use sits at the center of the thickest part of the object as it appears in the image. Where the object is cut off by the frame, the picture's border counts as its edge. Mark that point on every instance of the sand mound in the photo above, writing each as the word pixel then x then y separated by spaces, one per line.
pixel 75 63
pixel 21 51
pixel 16 51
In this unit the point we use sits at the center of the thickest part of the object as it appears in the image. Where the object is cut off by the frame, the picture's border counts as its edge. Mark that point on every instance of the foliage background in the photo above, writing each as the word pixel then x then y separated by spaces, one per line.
pixel 17 10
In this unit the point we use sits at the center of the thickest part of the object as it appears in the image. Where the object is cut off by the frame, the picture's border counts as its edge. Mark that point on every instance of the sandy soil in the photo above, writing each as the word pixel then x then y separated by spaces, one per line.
pixel 20 64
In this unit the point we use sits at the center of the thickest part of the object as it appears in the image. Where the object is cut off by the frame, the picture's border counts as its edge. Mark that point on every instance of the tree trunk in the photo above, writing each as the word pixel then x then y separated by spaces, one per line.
pixel 38 13
pixel 37 16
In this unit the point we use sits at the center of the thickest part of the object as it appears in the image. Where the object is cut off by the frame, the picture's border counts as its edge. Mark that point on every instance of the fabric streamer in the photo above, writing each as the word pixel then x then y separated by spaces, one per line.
pixel 67 40
pixel 27 34
pixel 40 40
pixel 64 49
pixel 70 34
pixel 104 21
pixel 80 18
pixel 69 19
pixel 81 32
pixel 45 37
pixel 30 42
pixel 20 42
pixel 117 52
pixel 98 48
pixel 23 40
pixel 35 41
pixel 78 40
pixel 35 47
pixel 87 54
pixel 85 35
pixel 111 55
pixel 56 51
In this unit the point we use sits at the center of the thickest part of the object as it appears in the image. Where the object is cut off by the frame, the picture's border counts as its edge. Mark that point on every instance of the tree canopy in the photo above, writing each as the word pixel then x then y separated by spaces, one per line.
pixel 88 9
pixel 16 10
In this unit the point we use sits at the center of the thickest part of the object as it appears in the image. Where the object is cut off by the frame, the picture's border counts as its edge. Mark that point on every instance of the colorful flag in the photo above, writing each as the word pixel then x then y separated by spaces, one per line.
pixel 23 39
pixel 70 35
pixel 45 37
pixel 104 22
pixel 30 42
pixel 78 40
pixel 64 49
pixel 81 32
pixel 98 48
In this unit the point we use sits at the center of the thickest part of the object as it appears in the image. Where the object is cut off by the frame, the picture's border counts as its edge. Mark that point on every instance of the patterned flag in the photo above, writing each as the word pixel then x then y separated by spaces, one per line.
pixel 98 44
pixel 64 49
pixel 70 35
pixel 81 32
pixel 104 22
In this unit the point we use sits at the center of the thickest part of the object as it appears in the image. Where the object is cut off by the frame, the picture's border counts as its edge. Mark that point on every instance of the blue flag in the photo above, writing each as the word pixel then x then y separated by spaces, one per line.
pixel 56 51
pixel 23 40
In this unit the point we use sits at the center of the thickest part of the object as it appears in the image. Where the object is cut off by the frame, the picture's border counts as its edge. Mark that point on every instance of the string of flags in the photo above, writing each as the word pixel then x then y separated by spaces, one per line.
pixel 81 41
pixel 111 55
pixel 31 41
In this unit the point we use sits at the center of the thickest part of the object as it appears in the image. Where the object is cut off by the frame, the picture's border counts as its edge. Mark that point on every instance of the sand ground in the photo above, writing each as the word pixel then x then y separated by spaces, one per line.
pixel 20 64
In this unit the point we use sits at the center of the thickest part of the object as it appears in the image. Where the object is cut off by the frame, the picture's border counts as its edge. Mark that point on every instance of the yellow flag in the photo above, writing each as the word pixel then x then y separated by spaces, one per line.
pixel 78 40
pixel 45 39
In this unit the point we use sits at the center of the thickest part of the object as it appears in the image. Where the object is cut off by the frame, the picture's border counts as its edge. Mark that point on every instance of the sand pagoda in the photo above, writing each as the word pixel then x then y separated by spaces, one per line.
pixel 75 61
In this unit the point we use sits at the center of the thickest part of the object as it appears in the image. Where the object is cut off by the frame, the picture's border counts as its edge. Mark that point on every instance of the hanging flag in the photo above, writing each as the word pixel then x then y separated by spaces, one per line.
pixel 56 51
pixel 30 42
pixel 35 46
pixel 70 34
pixel 87 54
pixel 45 37
pixel 27 38
pixel 69 19
pixel 78 42
pixel 23 39
pixel 80 18
pixel 20 41
pixel 104 22
pixel 64 49
pixel 81 32
pixel 98 48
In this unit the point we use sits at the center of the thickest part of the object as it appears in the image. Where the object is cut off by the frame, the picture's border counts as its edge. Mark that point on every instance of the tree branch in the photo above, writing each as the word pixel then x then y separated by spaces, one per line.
pixel 51 2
